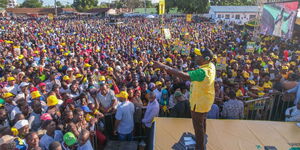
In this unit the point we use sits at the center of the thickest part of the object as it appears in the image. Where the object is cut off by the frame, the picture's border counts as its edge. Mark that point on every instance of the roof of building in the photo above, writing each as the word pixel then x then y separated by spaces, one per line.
pixel 98 10
pixel 234 8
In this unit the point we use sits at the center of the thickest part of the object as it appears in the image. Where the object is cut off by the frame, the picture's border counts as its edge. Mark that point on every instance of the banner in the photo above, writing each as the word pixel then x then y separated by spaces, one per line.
pixel 189 17
pixel 50 16
pixel 221 63
pixel 250 47
pixel 278 19
pixel 162 7
pixel 167 34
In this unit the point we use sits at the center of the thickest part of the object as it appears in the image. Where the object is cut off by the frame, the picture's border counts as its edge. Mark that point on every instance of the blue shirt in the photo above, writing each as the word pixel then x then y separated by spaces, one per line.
pixel 86 146
pixel 214 112
pixel 151 112
pixel 125 113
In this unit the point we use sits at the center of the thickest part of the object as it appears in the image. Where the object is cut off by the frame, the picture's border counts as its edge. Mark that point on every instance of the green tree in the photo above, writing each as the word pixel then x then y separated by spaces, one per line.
pixel 149 4
pixel 3 3
pixel 32 4
pixel 59 4
pixel 169 5
pixel 193 6
pixel 83 5
pixel 133 3
pixel 117 4
pixel 104 5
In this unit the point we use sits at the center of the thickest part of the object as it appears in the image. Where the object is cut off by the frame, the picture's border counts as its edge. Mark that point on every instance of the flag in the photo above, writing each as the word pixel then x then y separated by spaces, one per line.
pixel 189 17
pixel 50 16
pixel 162 7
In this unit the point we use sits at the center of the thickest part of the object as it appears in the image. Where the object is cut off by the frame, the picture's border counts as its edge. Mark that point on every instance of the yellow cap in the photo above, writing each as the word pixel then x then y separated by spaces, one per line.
pixel 293 63
pixel 86 65
pixel 261 94
pixel 270 63
pixel 35 52
pixel 198 52
pixel 259 59
pixel 140 62
pixel 35 94
pixel 251 82
pixel 246 74
pixel 78 75
pixel 7 95
pixel 122 94
pixel 248 61
pixel 256 71
pixel 102 78
pixel 158 83
pixel 169 60
pixel 57 62
pixel 232 61
pixel 157 69
pixel 11 79
pixel 135 61
pixel 110 69
pixel 52 100
pixel 21 56
pixel 151 63
pixel 65 78
pixel 285 67
pixel 267 86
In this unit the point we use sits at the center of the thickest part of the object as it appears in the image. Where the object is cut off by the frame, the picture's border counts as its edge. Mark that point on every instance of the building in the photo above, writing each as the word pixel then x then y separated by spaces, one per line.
pixel 12 4
pixel 37 11
pixel 237 14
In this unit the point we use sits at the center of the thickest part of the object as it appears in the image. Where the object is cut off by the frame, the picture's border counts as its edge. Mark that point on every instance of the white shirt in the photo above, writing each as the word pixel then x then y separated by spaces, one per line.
pixel 106 101
pixel 158 94
pixel 12 89
pixel 294 113
pixel 13 113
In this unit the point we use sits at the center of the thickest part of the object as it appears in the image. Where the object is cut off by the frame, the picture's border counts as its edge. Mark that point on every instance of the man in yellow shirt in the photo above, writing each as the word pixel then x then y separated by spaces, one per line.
pixel 202 91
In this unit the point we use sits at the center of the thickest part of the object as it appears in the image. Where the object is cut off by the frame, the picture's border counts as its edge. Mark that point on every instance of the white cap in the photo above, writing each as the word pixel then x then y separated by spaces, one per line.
pixel 69 69
pixel 21 123
pixel 118 68
pixel 24 84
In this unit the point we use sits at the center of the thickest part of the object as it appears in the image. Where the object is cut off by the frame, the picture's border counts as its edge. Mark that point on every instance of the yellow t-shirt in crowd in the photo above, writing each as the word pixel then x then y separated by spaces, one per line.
pixel 202 91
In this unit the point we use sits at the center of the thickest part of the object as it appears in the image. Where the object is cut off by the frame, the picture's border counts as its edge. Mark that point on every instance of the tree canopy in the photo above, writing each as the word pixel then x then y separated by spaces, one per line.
pixel 3 3
pixel 32 4
pixel 83 5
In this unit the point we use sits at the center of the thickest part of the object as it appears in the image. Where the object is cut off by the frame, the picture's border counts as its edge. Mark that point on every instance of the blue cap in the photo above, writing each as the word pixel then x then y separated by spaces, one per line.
pixel 86 109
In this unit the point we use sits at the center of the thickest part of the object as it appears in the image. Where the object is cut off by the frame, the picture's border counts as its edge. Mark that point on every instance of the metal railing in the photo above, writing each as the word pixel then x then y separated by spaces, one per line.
pixel 270 107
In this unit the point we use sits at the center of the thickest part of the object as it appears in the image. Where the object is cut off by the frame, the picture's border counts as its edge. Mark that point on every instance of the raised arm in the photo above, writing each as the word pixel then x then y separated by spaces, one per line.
pixel 172 71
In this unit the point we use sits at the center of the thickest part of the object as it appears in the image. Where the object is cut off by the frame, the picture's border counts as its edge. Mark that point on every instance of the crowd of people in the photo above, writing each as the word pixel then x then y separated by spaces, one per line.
pixel 66 80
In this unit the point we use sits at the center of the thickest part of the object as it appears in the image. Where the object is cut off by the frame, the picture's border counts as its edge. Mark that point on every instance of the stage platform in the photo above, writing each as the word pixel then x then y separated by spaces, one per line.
pixel 229 134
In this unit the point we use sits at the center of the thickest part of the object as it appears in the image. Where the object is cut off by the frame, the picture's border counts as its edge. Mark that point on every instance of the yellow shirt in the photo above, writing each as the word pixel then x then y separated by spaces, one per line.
pixel 202 91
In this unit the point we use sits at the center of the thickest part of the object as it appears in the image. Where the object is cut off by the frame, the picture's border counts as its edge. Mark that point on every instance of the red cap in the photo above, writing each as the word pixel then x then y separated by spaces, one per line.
pixel 33 89
pixel 42 84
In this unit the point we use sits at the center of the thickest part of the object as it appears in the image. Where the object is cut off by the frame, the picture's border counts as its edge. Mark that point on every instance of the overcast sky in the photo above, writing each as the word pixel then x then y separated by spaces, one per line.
pixel 51 2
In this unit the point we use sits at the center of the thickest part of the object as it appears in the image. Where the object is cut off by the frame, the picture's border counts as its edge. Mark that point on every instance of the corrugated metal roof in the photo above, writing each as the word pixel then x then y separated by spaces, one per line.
pixel 234 8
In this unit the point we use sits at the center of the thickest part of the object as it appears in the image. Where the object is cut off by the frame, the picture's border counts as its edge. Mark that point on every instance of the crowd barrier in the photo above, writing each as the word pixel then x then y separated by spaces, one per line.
pixel 271 107
pixel 104 128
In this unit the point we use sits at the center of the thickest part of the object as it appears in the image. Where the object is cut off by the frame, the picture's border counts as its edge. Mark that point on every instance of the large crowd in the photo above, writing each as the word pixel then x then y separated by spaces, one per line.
pixel 66 80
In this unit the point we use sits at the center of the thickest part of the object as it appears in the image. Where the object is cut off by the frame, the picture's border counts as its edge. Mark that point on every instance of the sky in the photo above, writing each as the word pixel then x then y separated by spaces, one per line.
pixel 51 2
